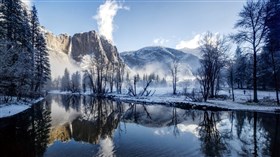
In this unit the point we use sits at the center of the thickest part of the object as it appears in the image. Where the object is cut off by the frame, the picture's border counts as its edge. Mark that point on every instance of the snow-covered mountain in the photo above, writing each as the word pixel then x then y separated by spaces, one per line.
pixel 157 59
pixel 67 51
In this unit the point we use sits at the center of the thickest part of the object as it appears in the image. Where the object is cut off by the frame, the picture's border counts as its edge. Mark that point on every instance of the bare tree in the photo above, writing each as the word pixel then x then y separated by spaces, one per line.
pixel 204 81
pixel 119 76
pixel 231 78
pixel 213 48
pixel 173 67
pixel 96 69
pixel 132 90
pixel 252 30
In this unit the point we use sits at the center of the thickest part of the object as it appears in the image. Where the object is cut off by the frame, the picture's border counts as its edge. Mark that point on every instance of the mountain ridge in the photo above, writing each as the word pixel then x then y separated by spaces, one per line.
pixel 156 59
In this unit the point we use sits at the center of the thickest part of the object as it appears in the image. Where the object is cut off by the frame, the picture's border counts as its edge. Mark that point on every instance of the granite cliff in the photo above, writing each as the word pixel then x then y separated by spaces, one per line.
pixel 67 51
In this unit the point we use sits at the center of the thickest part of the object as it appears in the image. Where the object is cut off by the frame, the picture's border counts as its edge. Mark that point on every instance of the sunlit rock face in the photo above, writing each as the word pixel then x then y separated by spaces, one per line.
pixel 82 44
pixel 60 43
pixel 68 51
pixel 90 42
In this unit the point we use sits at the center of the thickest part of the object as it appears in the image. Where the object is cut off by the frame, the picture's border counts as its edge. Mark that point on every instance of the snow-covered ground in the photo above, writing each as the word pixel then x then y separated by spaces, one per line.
pixel 15 107
pixel 164 96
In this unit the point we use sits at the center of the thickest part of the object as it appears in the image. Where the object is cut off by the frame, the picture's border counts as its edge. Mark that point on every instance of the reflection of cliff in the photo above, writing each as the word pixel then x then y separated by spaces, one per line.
pixel 98 121
pixel 62 133
pixel 100 126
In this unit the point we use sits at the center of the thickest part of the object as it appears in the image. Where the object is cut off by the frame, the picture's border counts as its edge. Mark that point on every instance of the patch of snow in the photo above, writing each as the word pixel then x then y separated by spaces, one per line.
pixel 13 108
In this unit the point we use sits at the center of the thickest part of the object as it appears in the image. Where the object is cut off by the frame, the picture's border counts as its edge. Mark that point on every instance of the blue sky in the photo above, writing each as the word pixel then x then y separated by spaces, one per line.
pixel 136 23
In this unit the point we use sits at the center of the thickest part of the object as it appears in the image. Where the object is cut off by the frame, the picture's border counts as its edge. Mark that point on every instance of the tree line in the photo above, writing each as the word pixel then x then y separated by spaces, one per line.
pixel 256 63
pixel 24 62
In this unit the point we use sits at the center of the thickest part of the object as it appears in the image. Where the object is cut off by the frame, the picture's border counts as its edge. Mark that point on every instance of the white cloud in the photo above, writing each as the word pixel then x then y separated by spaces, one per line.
pixel 191 44
pixel 160 41
pixel 28 2
pixel 105 17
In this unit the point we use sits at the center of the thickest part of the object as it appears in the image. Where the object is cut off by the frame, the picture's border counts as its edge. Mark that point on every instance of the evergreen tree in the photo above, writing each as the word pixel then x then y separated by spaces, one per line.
pixel 42 65
pixel 40 56
pixel 15 33
pixel 273 41
pixel 65 81
pixel 76 82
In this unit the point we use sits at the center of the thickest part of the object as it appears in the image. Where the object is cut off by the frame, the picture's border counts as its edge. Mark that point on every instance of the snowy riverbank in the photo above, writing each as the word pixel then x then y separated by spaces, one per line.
pixel 14 107
pixel 163 96
pixel 183 102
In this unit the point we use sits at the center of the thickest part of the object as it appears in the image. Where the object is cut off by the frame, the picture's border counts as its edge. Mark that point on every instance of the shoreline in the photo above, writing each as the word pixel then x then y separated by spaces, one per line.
pixel 214 105
pixel 13 108
pixel 179 101
pixel 185 103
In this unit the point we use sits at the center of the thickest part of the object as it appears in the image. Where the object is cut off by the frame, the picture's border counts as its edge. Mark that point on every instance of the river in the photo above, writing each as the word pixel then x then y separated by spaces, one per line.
pixel 64 125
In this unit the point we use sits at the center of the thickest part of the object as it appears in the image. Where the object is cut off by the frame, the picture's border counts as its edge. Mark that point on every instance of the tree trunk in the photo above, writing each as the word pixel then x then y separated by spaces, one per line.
pixel 255 135
pixel 255 76
pixel 275 77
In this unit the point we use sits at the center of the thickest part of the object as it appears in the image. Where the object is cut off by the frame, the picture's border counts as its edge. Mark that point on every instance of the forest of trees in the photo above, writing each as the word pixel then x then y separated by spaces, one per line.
pixel 256 63
pixel 24 62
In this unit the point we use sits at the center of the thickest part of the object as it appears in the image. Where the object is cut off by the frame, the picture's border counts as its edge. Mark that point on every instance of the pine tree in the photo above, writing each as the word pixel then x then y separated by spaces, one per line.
pixel 273 41
pixel 24 58
pixel 65 81
pixel 15 33
pixel 42 65
pixel 76 82
pixel 34 33
pixel 39 55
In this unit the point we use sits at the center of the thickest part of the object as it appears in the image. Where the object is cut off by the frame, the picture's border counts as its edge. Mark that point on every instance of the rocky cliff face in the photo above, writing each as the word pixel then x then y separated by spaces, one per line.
pixel 91 42
pixel 65 49
pixel 60 43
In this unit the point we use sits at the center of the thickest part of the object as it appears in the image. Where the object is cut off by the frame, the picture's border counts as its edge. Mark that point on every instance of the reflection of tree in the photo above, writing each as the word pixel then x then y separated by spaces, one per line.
pixel 258 133
pixel 71 101
pixel 41 127
pixel 26 134
pixel 240 117
pixel 174 122
pixel 134 112
pixel 212 141
pixel 275 142
pixel 102 118
pixel 270 124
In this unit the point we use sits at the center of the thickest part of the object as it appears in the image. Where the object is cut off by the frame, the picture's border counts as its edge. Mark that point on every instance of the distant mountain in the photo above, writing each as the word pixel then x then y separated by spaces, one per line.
pixel 157 59
pixel 67 51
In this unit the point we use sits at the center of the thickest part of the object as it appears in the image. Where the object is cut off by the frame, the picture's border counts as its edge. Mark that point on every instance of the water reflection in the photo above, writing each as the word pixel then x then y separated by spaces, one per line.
pixel 26 134
pixel 85 126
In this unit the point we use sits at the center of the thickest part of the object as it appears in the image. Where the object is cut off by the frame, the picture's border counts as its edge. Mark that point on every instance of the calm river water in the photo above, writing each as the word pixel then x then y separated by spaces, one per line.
pixel 84 126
